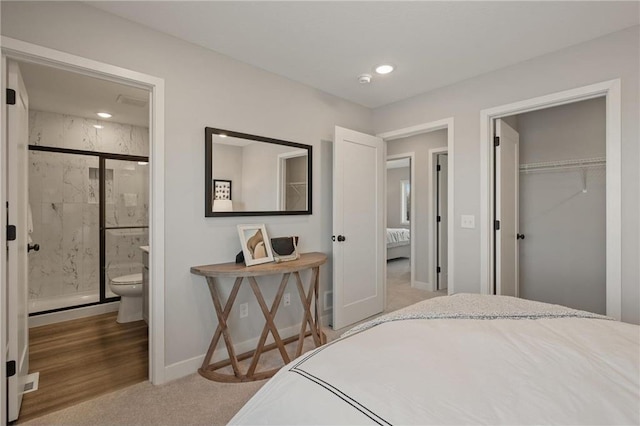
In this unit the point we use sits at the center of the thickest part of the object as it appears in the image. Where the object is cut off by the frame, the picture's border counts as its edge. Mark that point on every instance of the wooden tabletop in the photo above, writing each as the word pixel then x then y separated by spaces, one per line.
pixel 232 269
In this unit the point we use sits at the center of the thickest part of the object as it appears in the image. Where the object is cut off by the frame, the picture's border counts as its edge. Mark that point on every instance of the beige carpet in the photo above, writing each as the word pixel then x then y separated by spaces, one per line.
pixel 195 400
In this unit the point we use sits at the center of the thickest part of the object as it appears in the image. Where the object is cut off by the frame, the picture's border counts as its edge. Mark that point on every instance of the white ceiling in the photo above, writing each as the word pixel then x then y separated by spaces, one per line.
pixel 65 92
pixel 326 45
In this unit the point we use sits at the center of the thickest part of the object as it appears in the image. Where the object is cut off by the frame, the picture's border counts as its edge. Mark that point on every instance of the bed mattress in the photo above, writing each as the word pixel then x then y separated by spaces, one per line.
pixel 463 359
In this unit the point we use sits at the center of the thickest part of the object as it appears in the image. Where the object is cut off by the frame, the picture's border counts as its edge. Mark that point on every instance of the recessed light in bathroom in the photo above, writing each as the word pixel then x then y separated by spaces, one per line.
pixel 143 163
pixel 104 114
pixel 384 69
pixel 97 126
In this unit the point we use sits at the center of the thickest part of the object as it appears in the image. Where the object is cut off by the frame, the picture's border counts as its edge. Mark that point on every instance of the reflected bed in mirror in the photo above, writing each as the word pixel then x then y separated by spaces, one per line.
pixel 249 175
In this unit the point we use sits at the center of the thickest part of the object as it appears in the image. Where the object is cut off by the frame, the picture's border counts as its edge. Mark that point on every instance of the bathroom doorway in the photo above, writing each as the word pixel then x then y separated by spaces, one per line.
pixel 88 174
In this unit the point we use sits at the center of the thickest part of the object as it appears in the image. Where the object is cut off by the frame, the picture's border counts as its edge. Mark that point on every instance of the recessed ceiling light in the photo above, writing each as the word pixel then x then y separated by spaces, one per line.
pixel 384 69
pixel 97 126
pixel 143 163
pixel 104 114
pixel 222 135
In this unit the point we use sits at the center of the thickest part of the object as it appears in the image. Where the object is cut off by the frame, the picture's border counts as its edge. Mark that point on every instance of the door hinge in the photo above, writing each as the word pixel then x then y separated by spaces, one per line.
pixel 439 219
pixel 11 97
pixel 496 141
pixel 496 225
pixel 438 168
pixel 11 232
pixel 439 270
pixel 11 368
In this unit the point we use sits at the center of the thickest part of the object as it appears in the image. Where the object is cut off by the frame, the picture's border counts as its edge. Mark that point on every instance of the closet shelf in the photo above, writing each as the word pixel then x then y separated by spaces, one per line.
pixel 582 163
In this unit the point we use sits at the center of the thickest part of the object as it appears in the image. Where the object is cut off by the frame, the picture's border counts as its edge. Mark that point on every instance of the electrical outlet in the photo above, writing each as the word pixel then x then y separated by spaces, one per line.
pixel 467 221
pixel 244 310
pixel 287 299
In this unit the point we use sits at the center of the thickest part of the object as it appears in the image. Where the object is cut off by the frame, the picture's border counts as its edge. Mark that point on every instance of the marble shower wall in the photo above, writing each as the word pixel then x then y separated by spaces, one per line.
pixel 63 195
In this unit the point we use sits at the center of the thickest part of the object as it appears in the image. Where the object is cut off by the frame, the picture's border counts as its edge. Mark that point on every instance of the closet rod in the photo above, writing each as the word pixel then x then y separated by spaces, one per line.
pixel 564 164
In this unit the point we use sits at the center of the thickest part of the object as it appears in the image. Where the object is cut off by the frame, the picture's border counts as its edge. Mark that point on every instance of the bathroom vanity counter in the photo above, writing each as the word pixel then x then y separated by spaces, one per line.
pixel 309 299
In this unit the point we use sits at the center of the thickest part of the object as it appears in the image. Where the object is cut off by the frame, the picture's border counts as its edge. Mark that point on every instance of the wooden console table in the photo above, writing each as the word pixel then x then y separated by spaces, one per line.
pixel 240 272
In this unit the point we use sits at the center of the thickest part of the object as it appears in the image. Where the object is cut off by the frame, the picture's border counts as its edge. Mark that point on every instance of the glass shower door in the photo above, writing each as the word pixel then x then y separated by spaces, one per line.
pixel 64 222
pixel 126 219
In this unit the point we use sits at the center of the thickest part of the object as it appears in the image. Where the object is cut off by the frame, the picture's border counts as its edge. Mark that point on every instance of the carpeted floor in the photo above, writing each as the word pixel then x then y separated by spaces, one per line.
pixel 195 400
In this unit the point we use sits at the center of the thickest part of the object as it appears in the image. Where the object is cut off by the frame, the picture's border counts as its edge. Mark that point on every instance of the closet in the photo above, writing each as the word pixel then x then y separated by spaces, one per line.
pixel 561 237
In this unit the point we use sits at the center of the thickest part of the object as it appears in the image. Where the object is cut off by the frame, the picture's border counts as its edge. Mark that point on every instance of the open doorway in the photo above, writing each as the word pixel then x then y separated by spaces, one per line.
pixel 86 185
pixel 400 228
pixel 412 251
pixel 500 232
pixel 551 205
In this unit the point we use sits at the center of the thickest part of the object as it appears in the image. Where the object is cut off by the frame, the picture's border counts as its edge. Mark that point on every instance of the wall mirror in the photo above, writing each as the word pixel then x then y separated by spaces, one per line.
pixel 249 175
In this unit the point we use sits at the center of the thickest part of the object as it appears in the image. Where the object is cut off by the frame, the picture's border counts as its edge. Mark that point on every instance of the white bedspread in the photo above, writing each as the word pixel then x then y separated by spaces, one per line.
pixel 562 367
pixel 398 235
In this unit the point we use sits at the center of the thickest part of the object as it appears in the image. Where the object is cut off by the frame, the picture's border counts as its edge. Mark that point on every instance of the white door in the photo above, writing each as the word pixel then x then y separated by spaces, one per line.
pixel 443 223
pixel 358 227
pixel 17 267
pixel 506 242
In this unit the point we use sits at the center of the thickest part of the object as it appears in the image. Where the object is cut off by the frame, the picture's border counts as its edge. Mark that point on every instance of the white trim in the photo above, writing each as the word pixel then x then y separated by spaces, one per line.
pixel 611 90
pixel 28 52
pixel 3 246
pixel 431 240
pixel 447 123
pixel 412 218
pixel 71 314
pixel 189 366
pixel 422 286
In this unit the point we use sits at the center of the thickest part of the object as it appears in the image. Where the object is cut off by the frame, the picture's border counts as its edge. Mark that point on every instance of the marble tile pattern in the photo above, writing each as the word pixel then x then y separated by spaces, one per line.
pixel 64 194
pixel 67 131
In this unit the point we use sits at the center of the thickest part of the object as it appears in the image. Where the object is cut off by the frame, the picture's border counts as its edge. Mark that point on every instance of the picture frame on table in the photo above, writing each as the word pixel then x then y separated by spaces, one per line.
pixel 256 245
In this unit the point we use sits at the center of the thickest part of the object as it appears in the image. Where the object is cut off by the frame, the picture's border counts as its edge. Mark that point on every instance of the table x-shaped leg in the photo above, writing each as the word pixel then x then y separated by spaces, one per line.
pixel 305 298
pixel 222 315
pixel 270 325
pixel 265 330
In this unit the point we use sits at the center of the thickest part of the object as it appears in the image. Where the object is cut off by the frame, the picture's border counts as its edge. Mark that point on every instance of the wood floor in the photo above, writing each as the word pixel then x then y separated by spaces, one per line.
pixel 81 359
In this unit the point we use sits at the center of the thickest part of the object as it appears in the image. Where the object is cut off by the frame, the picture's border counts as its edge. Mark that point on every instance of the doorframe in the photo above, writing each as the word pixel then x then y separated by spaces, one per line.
pixel 281 191
pixel 412 214
pixel 611 91
pixel 433 202
pixel 448 124
pixel 28 52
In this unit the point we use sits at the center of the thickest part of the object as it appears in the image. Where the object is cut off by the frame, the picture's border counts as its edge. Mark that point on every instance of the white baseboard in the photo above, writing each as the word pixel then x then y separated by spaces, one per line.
pixel 191 365
pixel 71 314
pixel 422 286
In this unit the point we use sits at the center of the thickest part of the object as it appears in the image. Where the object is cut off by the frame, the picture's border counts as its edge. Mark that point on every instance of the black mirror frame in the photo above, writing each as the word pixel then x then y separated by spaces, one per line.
pixel 208 172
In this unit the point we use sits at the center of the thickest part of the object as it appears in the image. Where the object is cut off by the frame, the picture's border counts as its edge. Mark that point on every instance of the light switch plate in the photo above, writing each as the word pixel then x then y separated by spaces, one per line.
pixel 468 221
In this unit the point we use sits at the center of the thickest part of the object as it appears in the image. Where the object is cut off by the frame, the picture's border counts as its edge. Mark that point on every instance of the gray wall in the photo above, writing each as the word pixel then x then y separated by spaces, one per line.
pixel 420 145
pixel 394 196
pixel 610 57
pixel 203 88
pixel 563 256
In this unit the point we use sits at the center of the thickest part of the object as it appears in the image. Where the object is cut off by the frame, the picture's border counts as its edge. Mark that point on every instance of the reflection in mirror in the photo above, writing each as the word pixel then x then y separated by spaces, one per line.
pixel 250 175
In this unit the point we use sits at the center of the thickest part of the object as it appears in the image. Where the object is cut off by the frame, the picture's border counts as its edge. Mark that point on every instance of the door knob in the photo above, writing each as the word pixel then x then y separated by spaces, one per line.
pixel 341 238
pixel 520 237
pixel 34 247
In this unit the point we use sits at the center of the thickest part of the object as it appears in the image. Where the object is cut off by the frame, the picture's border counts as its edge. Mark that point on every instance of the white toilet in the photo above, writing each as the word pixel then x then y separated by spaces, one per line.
pixel 129 288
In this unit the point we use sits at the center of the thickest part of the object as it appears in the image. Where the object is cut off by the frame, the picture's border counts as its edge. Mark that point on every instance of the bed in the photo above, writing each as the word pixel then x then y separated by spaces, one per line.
pixel 463 359
pixel 398 243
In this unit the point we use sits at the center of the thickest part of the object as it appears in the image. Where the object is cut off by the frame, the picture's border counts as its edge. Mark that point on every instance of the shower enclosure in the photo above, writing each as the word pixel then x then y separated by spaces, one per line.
pixel 89 215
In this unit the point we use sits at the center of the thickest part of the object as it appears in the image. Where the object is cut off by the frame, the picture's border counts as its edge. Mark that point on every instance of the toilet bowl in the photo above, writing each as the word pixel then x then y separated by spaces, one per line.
pixel 129 288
